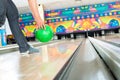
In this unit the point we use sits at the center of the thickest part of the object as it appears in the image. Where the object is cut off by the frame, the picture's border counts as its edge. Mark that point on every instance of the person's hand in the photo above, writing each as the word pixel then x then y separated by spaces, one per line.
pixel 40 24
pixel 35 12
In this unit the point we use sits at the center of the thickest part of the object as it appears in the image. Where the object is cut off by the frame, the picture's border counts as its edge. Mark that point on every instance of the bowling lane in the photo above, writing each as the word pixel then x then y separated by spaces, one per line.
pixel 86 65
pixel 115 38
pixel 110 54
pixel 42 66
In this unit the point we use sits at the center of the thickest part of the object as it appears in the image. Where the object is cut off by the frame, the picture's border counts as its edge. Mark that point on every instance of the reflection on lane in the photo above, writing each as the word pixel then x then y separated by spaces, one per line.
pixel 42 66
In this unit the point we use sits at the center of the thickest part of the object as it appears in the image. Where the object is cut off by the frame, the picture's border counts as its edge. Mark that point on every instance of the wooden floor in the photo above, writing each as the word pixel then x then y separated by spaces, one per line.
pixel 41 66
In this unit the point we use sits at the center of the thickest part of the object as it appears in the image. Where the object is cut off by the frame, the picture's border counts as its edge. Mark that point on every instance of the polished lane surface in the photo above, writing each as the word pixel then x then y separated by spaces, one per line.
pixel 42 66
pixel 87 65
pixel 110 53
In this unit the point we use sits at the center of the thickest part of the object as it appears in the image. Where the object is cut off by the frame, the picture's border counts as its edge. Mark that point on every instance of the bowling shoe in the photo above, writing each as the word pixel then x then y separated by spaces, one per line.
pixel 31 50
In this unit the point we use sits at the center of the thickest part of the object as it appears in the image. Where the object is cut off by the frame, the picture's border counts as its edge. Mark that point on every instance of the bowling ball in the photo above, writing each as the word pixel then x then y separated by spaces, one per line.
pixel 113 23
pixel 44 35
pixel 60 29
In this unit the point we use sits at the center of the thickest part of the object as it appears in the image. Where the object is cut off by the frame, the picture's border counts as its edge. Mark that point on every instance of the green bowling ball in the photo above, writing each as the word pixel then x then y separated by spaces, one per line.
pixel 44 35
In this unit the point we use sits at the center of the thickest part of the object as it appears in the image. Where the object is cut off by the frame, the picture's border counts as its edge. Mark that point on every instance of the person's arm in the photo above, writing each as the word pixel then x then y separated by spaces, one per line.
pixel 34 8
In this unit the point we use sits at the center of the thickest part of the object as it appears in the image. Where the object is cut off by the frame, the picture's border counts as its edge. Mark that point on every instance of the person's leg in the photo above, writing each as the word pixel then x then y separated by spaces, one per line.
pixel 13 16
pixel 2 12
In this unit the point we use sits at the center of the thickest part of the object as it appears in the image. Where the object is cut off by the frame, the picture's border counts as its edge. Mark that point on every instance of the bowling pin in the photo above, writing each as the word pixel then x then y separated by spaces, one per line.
pixel 63 37
pixel 110 32
pixel 55 37
pixel 97 34
pixel 119 30
pixel 94 34
pixel 103 32
pixel 71 35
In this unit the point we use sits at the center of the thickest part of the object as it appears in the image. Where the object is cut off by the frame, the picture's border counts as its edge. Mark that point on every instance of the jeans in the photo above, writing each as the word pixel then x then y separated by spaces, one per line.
pixel 9 10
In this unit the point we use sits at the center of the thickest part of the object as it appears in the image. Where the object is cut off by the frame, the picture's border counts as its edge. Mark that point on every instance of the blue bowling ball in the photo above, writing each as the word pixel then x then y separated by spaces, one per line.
pixel 113 23
pixel 60 29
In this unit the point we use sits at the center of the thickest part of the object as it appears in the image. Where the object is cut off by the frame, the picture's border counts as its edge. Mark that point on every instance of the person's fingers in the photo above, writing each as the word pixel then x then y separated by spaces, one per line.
pixel 44 27
pixel 40 25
